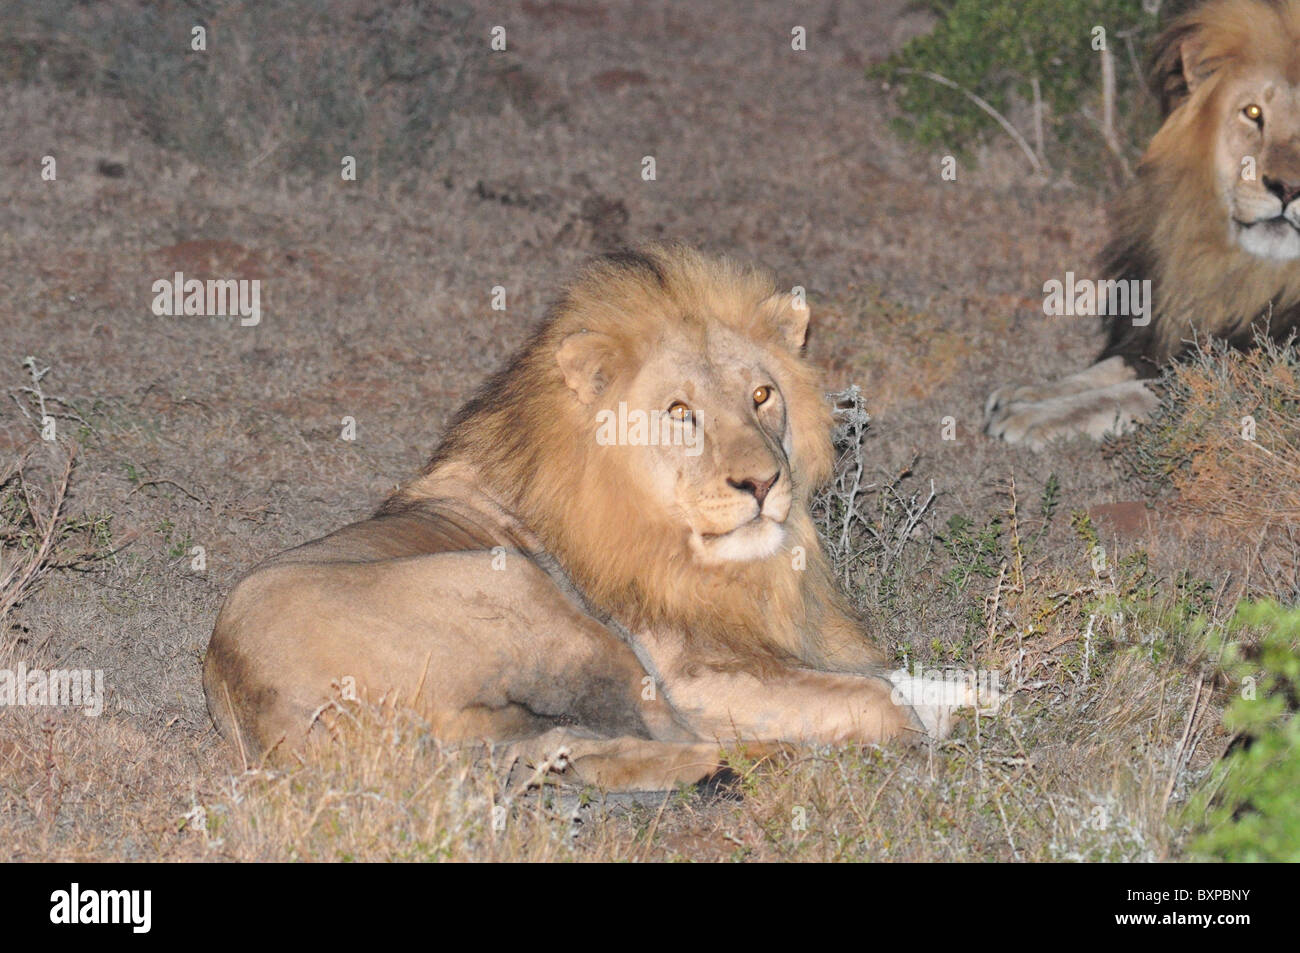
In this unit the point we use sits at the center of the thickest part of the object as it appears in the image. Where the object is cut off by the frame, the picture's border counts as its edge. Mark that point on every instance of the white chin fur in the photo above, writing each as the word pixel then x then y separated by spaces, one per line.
pixel 756 540
pixel 1273 240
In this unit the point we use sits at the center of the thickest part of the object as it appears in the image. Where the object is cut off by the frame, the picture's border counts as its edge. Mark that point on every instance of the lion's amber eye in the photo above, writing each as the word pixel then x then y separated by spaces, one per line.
pixel 761 394
pixel 1254 113
pixel 679 411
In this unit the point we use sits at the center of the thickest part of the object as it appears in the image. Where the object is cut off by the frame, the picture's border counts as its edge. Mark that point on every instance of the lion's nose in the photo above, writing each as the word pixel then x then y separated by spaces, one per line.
pixel 1286 191
pixel 759 488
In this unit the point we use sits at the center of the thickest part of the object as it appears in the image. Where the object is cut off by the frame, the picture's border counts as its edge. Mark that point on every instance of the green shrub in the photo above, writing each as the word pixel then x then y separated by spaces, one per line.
pixel 1248 810
pixel 997 49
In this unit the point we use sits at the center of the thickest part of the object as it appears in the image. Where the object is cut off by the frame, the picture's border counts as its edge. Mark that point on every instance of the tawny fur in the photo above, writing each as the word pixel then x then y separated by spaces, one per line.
pixel 1169 226
pixel 599 595
pixel 1175 224
pixel 536 449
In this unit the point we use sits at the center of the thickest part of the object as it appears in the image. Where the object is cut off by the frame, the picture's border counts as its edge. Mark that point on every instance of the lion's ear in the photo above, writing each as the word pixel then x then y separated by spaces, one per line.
pixel 587 360
pixel 1192 54
pixel 788 314
pixel 1179 65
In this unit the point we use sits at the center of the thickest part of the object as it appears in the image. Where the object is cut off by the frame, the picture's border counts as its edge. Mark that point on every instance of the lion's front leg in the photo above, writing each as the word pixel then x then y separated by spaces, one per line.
pixel 797 706
pixel 1105 398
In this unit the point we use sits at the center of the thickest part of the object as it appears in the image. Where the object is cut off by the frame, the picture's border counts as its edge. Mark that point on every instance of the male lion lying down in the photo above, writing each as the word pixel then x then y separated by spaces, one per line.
pixel 1212 221
pixel 610 552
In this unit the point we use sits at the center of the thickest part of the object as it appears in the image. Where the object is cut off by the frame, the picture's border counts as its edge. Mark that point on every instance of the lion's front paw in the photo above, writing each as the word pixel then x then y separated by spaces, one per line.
pixel 1093 413
pixel 1022 415
pixel 1003 398
pixel 937 720
pixel 934 702
pixel 1030 423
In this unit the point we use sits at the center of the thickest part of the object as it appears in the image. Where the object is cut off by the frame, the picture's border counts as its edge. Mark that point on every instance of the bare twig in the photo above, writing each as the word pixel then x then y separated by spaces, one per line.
pixel 1179 757
pixel 37 393
pixel 18 579
pixel 1108 133
pixel 984 104
pixel 1038 115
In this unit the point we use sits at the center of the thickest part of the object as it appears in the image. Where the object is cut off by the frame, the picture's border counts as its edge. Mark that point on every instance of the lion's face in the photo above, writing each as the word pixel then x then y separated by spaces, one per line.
pixel 1257 162
pixel 721 465
pixel 687 386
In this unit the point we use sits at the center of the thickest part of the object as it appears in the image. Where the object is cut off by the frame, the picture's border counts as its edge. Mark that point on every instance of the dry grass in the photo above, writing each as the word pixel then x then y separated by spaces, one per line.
pixel 29 533
pixel 306 100
pixel 1224 449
